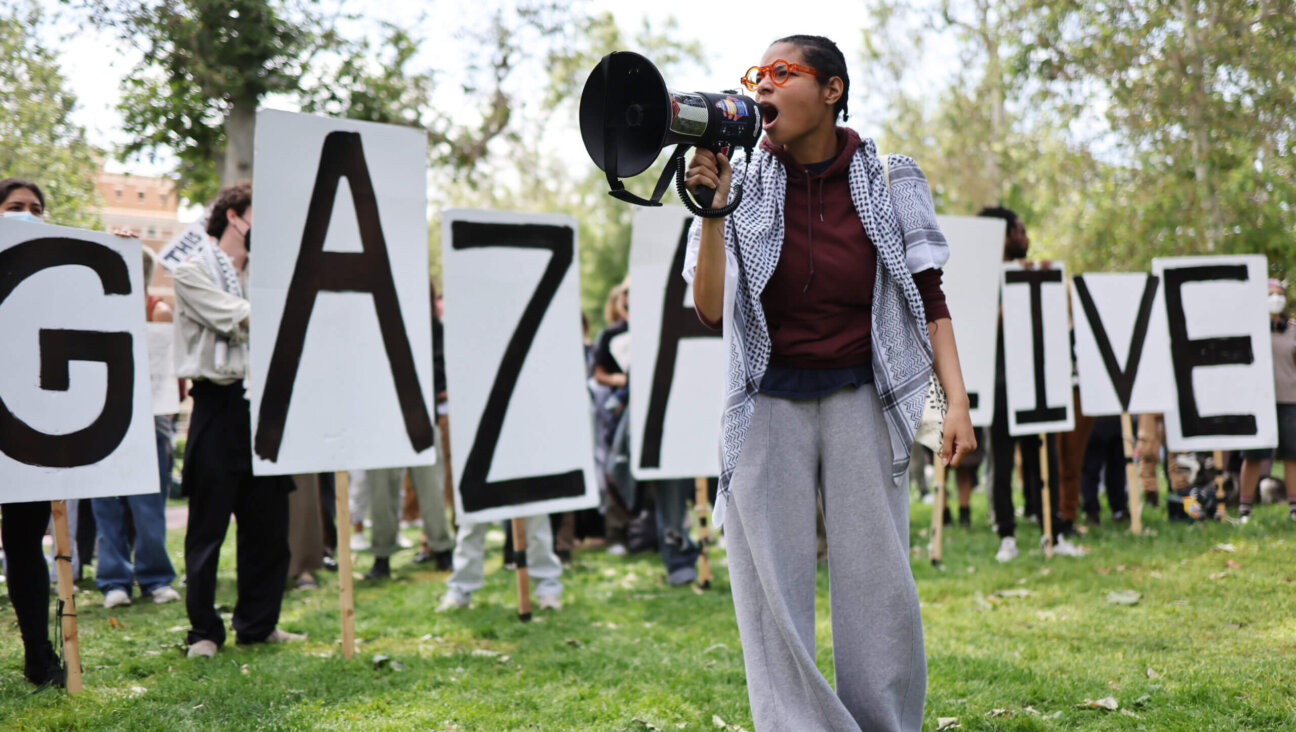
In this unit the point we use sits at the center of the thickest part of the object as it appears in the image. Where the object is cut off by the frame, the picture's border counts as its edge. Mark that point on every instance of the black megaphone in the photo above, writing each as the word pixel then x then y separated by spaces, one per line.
pixel 628 114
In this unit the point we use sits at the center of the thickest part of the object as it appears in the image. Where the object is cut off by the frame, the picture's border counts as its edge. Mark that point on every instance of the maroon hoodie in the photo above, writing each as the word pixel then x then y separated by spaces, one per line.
pixel 819 300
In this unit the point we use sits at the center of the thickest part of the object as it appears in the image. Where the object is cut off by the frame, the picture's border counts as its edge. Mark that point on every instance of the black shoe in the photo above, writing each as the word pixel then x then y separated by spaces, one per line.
pixel 43 668
pixel 330 563
pixel 424 556
pixel 1120 516
pixel 1152 499
pixel 1093 519
pixel 444 561
pixel 381 569
pixel 965 517
pixel 947 518
pixel 564 556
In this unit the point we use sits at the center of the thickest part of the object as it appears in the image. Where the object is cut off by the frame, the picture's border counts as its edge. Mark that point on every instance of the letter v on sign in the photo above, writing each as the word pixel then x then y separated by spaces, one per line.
pixel 1122 378
pixel 319 271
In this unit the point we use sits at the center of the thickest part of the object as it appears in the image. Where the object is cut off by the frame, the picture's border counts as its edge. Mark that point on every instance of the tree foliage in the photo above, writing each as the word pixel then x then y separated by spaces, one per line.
pixel 41 143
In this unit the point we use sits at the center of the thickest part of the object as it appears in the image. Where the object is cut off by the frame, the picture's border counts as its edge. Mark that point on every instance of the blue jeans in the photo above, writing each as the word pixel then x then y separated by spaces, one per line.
pixel 678 552
pixel 152 568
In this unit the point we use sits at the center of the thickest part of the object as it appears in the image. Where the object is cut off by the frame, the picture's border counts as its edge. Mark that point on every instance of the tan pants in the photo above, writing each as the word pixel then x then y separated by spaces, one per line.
pixel 305 526
pixel 1151 431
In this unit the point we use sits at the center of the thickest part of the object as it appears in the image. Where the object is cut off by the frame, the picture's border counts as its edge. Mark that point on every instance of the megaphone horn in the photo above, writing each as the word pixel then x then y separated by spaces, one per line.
pixel 628 114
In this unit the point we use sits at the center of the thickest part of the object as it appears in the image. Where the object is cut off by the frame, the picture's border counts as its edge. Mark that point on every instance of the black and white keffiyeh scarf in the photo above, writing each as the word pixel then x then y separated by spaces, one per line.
pixel 225 276
pixel 900 219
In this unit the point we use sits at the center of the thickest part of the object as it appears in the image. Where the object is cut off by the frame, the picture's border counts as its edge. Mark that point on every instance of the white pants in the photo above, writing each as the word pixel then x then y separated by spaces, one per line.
pixel 470 559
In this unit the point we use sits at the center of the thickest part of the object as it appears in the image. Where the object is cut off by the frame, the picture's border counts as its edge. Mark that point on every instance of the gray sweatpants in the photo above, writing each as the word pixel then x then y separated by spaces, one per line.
pixel 839 445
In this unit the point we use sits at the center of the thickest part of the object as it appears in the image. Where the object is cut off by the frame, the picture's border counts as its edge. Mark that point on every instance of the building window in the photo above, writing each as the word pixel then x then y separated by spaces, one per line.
pixel 164 199
pixel 119 193
pixel 140 195
pixel 152 232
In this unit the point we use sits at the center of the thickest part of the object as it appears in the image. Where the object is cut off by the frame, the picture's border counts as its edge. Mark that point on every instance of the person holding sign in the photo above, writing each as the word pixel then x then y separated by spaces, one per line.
pixel 211 349
pixel 1282 336
pixel 832 267
pixel 150 566
pixel 22 525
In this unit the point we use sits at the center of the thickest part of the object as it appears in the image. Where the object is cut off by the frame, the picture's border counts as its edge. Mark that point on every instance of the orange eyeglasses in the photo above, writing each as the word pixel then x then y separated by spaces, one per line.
pixel 779 72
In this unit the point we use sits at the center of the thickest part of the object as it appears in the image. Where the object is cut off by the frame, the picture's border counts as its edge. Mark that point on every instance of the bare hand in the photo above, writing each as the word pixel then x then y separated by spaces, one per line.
pixel 959 438
pixel 125 233
pixel 710 170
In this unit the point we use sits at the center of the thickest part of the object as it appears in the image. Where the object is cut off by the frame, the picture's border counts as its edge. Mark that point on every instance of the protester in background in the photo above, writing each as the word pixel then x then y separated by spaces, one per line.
pixel 305 531
pixel 211 349
pixel 611 396
pixel 22 525
pixel 429 483
pixel 1104 458
pixel 1070 450
pixel 1282 338
pixel 115 574
pixel 832 268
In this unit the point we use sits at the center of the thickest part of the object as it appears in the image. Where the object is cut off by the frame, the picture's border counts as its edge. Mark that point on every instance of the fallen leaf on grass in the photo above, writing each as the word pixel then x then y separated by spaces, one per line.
pixel 1107 702
pixel 574 643
pixel 1232 564
pixel 1155 575
pixel 947 723
pixel 1128 713
pixel 200 706
pixel 716 646
pixel 717 721
pixel 486 652
pixel 1152 674
pixel 177 629
pixel 1124 597
pixel 1142 700
pixel 137 690
pixel 981 603
pixel 1225 548
pixel 1219 575
pixel 245 670
pixel 1102 570
pixel 645 724
pixel 1017 592
pixel 999 713
pixel 115 624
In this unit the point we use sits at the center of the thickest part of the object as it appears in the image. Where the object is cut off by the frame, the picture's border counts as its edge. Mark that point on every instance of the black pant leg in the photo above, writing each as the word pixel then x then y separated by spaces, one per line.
pixel 1117 497
pixel 22 526
pixel 1001 446
pixel 1093 464
pixel 261 508
pixel 210 485
pixel 1029 446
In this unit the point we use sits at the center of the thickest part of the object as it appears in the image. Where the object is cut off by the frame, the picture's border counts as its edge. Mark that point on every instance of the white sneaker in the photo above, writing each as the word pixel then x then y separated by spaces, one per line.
pixel 164 594
pixel 616 550
pixel 279 635
pixel 203 649
pixel 1007 549
pixel 116 598
pixel 452 601
pixel 549 602
pixel 1066 548
pixel 929 498
pixel 359 543
pixel 403 543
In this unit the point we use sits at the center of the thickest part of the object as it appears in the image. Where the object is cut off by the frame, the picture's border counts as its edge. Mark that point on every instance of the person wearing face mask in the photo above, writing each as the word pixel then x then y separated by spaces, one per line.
pixel 1282 337
pixel 22 525
pixel 211 325
pixel 833 268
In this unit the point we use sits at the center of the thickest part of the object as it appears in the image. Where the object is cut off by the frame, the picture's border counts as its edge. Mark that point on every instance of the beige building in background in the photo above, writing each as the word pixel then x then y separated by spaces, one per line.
pixel 147 206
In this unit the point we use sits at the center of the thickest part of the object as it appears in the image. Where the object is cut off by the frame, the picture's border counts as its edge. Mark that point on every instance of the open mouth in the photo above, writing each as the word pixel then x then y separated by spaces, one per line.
pixel 769 113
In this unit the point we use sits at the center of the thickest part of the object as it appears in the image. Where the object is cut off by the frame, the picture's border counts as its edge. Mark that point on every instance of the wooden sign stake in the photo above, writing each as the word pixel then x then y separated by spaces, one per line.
pixel 1221 511
pixel 346 583
pixel 702 505
pixel 1134 490
pixel 68 616
pixel 523 578
pixel 1046 503
pixel 938 511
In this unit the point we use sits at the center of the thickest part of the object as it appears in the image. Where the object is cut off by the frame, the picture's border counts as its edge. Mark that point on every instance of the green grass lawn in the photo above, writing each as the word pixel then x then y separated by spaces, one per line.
pixel 1210 644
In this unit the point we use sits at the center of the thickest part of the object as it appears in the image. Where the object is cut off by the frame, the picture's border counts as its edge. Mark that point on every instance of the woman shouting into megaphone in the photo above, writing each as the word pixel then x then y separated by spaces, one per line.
pixel 827 283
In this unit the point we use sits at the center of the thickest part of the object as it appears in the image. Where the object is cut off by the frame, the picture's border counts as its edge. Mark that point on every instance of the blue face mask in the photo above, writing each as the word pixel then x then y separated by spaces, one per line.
pixel 24 216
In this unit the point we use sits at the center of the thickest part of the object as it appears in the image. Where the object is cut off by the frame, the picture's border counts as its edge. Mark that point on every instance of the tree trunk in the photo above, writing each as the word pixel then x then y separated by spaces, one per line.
pixel 1214 228
pixel 240 130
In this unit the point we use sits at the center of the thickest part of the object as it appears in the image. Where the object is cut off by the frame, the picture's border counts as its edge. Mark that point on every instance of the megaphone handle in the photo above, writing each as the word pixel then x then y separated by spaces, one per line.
pixel 705 196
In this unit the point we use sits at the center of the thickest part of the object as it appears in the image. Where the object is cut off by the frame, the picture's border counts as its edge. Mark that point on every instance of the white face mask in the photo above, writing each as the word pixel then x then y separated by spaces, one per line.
pixel 1277 303
pixel 23 216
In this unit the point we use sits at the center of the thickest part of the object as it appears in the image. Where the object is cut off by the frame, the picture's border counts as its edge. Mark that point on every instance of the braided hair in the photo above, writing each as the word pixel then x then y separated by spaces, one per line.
pixel 827 58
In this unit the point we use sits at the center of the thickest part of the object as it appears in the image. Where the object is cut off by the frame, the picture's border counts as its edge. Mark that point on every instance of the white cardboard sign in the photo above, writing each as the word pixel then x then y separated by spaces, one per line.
pixel 970 282
pixel 1037 350
pixel 1219 344
pixel 163 382
pixel 522 441
pixel 183 244
pixel 1121 344
pixel 677 382
pixel 75 414
pixel 340 352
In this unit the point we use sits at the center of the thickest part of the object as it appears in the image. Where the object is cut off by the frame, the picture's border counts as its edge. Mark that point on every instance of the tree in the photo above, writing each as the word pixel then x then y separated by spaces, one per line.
pixel 206 66
pixel 41 143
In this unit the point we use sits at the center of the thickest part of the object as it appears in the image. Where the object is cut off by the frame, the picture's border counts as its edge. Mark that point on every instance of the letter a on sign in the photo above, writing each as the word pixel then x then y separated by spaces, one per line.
pixel 75 413
pixel 341 330
pixel 677 378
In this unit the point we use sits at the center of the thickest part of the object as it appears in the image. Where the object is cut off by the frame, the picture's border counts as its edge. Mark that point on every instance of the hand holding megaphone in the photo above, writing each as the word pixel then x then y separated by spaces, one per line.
pixel 628 114
pixel 708 178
